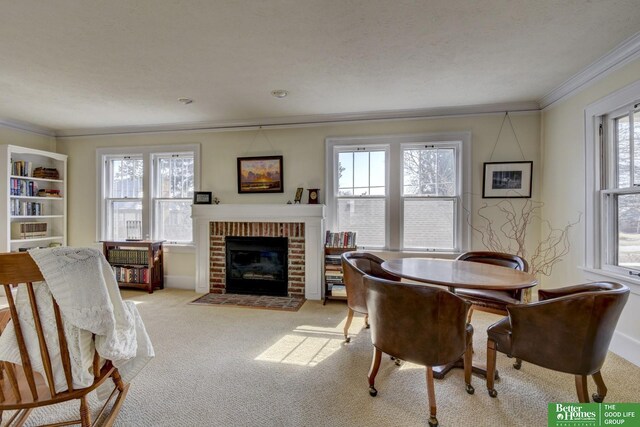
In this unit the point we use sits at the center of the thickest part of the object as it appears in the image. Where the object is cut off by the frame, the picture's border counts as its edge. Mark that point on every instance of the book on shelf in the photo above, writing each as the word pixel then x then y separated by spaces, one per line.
pixel 338 291
pixel 128 256
pixel 131 274
pixel 343 239
pixel 48 173
pixel 21 168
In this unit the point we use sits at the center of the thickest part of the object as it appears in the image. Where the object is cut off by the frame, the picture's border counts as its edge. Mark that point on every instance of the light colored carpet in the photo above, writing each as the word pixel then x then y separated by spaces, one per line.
pixel 227 366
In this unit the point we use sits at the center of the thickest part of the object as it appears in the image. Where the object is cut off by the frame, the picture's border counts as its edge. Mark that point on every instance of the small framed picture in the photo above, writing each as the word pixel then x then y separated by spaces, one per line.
pixel 299 192
pixel 507 180
pixel 202 197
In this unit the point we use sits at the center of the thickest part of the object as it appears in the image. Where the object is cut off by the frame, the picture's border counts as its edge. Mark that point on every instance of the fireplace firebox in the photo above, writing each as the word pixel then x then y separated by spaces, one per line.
pixel 257 265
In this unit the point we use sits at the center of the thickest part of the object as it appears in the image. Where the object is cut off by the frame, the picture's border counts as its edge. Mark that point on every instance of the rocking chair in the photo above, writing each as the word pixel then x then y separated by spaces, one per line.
pixel 22 389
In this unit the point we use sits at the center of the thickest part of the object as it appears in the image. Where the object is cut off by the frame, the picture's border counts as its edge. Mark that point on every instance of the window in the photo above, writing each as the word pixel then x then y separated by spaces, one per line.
pixel 620 193
pixel 361 197
pixel 399 193
pixel 150 185
pixel 429 197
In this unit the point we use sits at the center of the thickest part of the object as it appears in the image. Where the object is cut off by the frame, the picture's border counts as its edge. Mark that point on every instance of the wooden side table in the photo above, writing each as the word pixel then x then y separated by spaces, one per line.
pixel 137 264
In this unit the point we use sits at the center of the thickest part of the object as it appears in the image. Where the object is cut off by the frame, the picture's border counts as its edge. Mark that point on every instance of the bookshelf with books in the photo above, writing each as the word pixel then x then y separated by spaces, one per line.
pixel 136 264
pixel 33 187
pixel 335 245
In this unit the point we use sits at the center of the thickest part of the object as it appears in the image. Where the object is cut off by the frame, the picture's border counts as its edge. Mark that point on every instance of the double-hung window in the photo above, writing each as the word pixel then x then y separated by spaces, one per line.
pixel 400 192
pixel 430 196
pixel 620 194
pixel 361 193
pixel 150 185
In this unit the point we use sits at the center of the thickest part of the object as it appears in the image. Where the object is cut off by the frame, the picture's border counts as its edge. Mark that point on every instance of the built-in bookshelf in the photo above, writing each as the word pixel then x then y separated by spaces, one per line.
pixel 335 245
pixel 33 189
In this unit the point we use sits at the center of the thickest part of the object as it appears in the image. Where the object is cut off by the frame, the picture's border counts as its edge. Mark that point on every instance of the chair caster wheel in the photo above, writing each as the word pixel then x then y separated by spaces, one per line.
pixel 347 339
pixel 392 358
pixel 367 326
pixel 433 422
pixel 398 362
pixel 372 391
pixel 517 365
pixel 470 389
pixel 597 398
pixel 492 392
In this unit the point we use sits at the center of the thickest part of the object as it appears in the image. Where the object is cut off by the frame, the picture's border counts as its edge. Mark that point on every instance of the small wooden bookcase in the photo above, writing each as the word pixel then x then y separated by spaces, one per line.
pixel 333 275
pixel 137 264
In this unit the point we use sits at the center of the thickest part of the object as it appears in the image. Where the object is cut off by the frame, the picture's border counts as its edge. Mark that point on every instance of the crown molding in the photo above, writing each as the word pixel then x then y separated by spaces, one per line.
pixel 625 52
pixel 27 127
pixel 305 121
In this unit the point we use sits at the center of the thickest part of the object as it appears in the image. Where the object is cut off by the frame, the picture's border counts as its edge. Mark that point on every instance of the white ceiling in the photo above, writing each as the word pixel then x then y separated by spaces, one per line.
pixel 78 64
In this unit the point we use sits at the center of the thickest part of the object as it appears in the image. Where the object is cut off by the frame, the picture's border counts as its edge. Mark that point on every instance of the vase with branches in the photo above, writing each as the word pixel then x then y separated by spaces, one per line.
pixel 507 226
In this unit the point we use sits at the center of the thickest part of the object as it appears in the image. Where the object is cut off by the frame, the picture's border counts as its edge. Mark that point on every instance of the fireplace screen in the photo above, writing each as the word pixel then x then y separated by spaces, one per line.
pixel 257 265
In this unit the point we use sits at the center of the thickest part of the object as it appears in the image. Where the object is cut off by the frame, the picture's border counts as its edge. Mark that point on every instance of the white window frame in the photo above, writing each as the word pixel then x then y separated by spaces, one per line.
pixel 148 154
pixel 394 214
pixel 457 198
pixel 598 213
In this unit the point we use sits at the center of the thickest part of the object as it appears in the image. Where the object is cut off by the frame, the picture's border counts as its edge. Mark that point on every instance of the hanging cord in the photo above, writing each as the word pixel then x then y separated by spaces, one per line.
pixel 256 137
pixel 506 116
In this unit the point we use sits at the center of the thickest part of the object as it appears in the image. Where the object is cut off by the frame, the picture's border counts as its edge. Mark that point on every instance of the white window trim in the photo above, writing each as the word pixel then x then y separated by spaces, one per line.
pixel 147 153
pixel 595 251
pixel 394 178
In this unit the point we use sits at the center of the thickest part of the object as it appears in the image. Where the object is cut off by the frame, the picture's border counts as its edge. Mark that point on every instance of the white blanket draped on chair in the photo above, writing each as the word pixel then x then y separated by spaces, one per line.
pixel 85 288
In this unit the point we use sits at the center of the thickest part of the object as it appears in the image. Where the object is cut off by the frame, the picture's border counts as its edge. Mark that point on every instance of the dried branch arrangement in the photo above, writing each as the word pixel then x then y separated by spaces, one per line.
pixel 510 234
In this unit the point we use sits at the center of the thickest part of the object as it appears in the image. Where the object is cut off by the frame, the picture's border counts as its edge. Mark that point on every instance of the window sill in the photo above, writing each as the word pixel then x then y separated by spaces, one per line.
pixel 600 274
pixel 179 248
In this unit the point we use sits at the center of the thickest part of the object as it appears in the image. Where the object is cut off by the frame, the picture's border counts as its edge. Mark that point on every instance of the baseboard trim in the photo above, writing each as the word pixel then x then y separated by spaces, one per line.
pixel 180 282
pixel 625 346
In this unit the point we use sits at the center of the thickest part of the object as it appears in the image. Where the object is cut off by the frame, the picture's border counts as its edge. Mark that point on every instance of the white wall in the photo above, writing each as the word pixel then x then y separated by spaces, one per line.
pixel 563 192
pixel 26 139
pixel 303 151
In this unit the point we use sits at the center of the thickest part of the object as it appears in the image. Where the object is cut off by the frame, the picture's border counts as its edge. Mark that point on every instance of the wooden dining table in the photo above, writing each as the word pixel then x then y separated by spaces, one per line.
pixel 459 274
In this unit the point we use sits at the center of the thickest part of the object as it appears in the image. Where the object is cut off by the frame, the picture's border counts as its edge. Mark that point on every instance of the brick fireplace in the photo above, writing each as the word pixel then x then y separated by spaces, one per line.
pixel 293 231
pixel 302 225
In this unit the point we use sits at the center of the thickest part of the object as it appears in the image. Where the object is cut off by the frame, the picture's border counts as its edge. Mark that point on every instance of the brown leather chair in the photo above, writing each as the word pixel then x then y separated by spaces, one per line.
pixel 493 301
pixel 568 330
pixel 355 265
pixel 419 324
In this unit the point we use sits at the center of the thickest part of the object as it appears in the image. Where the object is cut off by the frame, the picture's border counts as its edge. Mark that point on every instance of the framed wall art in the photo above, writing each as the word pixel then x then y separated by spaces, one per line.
pixel 260 174
pixel 507 180
pixel 202 197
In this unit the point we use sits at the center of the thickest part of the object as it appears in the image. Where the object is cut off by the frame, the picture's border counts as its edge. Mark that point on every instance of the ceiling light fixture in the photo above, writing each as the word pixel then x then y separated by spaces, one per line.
pixel 279 93
pixel 185 101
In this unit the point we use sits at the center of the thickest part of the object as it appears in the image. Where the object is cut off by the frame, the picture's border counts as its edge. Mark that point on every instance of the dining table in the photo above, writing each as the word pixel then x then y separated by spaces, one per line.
pixel 459 274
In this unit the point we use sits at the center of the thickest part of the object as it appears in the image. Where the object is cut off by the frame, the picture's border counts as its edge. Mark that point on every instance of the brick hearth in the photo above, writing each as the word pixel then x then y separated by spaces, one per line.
pixel 294 231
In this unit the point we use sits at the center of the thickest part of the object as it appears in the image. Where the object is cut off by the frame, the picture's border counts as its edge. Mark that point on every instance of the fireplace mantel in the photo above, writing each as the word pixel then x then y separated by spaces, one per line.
pixel 311 215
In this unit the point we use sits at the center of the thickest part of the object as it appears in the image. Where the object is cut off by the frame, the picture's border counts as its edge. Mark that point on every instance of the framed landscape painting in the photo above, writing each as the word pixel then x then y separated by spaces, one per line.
pixel 260 174
pixel 507 180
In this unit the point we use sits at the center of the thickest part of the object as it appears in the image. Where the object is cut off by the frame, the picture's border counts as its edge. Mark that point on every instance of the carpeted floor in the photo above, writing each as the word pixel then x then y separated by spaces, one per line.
pixel 227 366
pixel 251 301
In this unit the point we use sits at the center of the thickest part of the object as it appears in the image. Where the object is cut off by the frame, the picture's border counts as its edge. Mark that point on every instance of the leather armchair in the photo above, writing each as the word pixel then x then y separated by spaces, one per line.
pixel 420 324
pixel 569 330
pixel 355 265
pixel 488 300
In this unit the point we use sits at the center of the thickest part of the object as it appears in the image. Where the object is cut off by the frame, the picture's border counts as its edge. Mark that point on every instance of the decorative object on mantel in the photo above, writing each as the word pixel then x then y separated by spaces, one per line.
pixel 313 196
pixel 507 180
pixel 260 174
pixel 504 226
pixel 202 197
pixel 298 197
pixel 216 201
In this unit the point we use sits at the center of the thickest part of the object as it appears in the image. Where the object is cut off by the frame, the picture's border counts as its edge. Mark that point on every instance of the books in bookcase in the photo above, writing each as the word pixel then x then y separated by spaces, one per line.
pixel 342 239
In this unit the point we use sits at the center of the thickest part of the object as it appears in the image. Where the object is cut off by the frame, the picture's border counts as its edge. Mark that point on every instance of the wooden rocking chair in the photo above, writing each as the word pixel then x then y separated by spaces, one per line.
pixel 22 389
